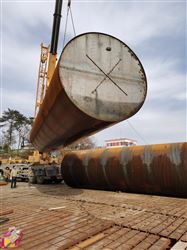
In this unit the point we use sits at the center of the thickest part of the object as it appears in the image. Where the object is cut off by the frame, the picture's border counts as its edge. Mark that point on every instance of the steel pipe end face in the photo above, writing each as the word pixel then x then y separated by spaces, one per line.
pixel 103 77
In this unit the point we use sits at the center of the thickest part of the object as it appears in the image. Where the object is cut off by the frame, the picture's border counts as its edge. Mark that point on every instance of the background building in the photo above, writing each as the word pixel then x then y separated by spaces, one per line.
pixel 120 142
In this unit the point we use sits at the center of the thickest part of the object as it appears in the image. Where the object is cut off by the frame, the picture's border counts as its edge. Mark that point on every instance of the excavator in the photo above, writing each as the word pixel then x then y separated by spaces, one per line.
pixel 98 82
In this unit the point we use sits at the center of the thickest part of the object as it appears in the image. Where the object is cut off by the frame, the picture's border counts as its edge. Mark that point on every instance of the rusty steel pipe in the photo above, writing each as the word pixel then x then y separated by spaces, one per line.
pixel 98 82
pixel 154 169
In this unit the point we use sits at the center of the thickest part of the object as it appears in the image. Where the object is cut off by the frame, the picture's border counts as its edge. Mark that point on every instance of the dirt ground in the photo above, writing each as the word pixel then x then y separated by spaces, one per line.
pixel 60 217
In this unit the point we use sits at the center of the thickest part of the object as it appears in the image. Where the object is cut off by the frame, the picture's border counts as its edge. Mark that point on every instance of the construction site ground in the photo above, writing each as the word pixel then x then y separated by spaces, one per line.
pixel 60 217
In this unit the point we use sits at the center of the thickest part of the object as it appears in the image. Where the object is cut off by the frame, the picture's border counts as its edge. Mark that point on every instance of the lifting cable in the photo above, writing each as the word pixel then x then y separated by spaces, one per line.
pixel 135 130
pixel 66 23
pixel 73 25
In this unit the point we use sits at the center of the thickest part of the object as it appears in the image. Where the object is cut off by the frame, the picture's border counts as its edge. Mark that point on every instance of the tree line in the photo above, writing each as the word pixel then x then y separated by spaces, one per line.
pixel 15 128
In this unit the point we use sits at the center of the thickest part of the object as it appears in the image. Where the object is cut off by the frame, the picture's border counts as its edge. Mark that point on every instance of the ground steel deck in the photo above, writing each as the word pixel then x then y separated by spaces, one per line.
pixel 59 217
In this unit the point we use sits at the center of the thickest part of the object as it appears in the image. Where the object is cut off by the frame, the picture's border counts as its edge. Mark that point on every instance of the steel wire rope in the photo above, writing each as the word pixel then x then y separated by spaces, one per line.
pixel 66 26
pixel 66 23
pixel 73 24
pixel 135 130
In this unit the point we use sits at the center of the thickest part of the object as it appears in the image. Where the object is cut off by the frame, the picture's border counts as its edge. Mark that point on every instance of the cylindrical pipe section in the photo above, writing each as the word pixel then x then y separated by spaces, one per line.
pixel 97 82
pixel 153 169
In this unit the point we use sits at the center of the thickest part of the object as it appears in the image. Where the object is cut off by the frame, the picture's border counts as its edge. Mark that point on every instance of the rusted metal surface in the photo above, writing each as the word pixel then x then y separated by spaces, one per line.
pixel 97 82
pixel 153 169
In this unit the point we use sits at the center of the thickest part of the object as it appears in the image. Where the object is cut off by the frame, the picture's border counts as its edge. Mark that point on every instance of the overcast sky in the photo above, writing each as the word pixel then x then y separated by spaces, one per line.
pixel 154 30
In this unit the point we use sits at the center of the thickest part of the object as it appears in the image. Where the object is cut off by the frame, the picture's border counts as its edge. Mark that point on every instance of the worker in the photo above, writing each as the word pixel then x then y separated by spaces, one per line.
pixel 13 177
pixel 6 174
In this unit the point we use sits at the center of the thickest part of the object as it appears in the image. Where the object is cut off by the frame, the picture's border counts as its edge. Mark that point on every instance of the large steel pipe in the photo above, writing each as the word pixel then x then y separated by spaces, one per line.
pixel 153 169
pixel 97 82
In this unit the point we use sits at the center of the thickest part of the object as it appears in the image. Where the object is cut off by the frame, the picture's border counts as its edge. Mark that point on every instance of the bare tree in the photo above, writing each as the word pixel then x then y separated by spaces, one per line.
pixel 25 131
pixel 86 143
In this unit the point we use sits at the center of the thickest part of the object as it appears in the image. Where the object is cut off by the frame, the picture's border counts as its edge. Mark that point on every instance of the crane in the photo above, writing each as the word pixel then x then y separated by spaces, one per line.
pixel 48 60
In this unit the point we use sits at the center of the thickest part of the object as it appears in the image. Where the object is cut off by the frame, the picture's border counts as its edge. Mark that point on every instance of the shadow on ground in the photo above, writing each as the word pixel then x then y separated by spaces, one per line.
pixel 57 189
